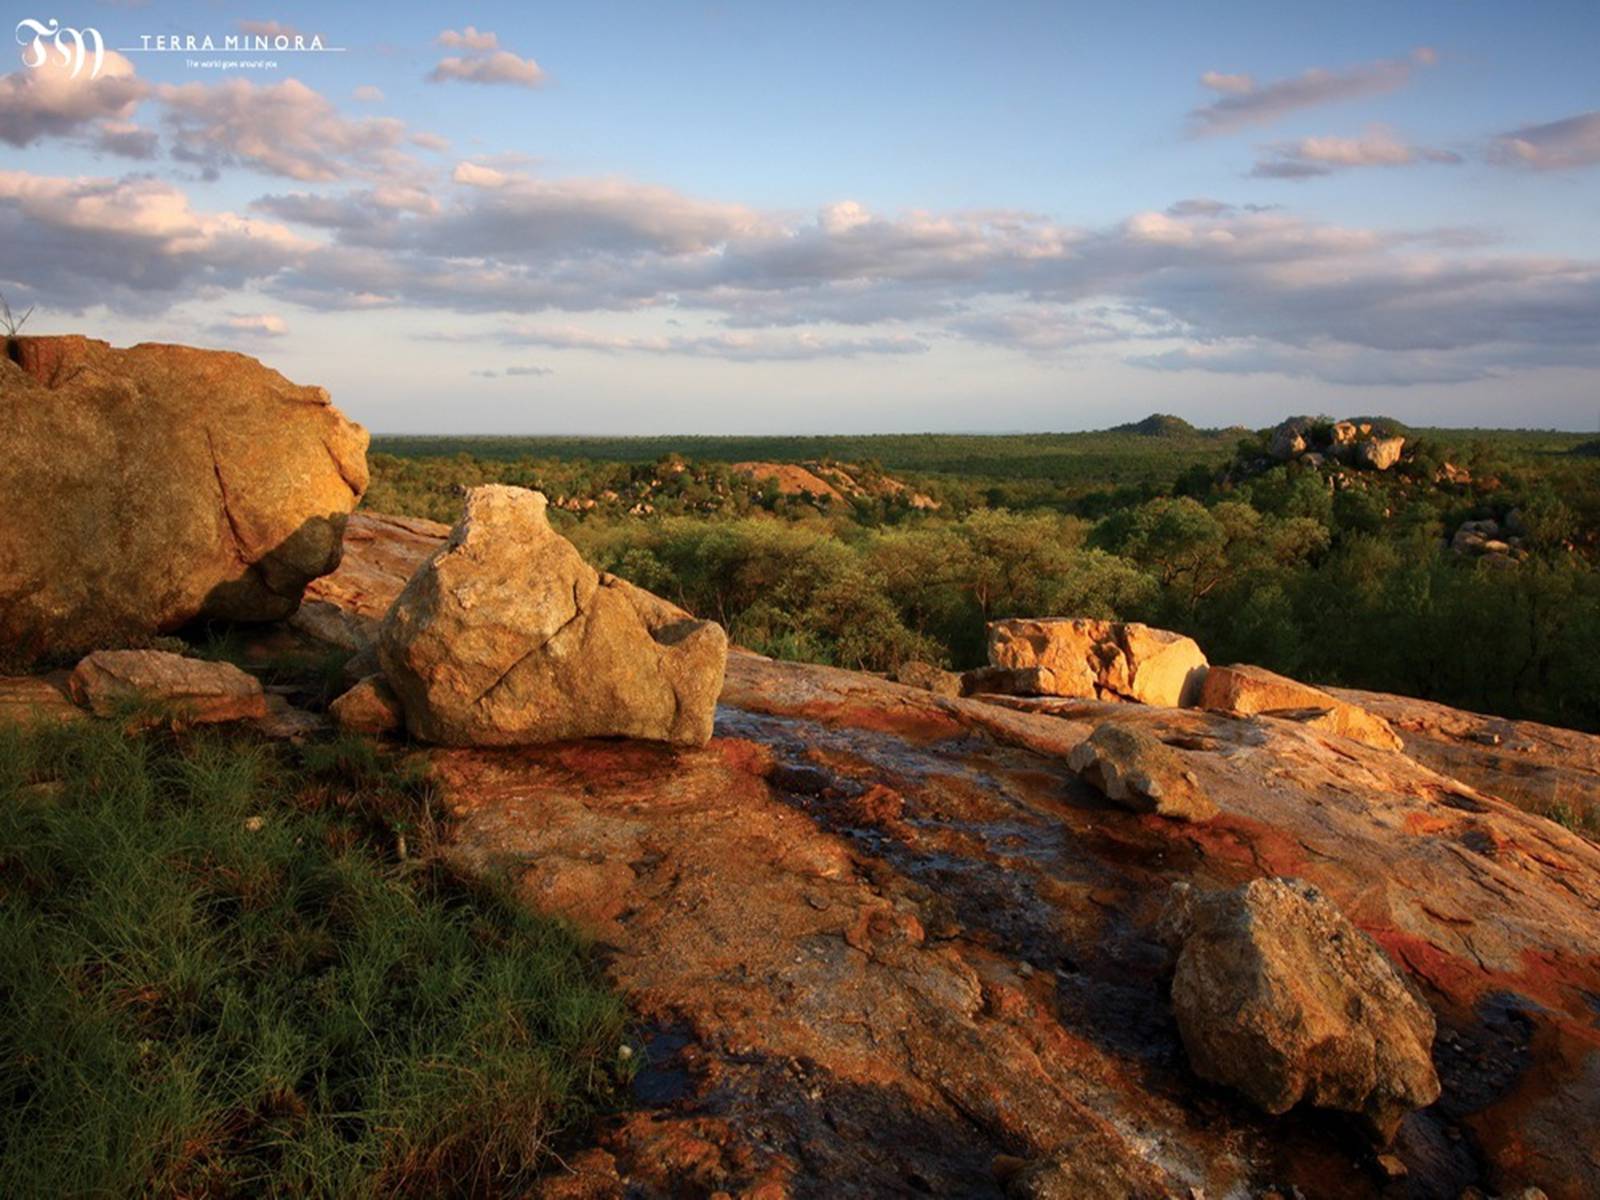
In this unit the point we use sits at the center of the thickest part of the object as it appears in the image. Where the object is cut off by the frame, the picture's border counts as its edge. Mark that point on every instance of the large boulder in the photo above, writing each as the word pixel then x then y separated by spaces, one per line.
pixel 1109 660
pixel 1379 453
pixel 506 637
pixel 145 487
pixel 1133 769
pixel 189 689
pixel 1249 691
pixel 1279 996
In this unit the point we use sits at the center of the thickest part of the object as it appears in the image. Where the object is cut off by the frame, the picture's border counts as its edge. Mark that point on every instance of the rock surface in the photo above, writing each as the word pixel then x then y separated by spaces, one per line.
pixel 1076 656
pixel 507 637
pixel 1277 995
pixel 1139 772
pixel 929 677
pixel 369 707
pixel 29 700
pixel 196 691
pixel 878 940
pixel 145 487
pixel 1255 690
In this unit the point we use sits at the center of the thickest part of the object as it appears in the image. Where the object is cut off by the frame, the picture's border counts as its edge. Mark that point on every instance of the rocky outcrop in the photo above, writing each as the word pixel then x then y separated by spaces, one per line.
pixel 154 682
pixel 879 940
pixel 1253 691
pixel 1490 540
pixel 1139 772
pixel 145 487
pixel 1278 996
pixel 1316 442
pixel 1075 656
pixel 507 637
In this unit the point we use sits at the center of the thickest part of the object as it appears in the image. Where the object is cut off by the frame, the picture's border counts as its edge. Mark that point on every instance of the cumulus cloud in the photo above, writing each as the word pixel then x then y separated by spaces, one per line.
pixel 284 129
pixel 500 66
pixel 368 93
pixel 1277 290
pixel 133 244
pixel 1314 156
pixel 1243 102
pixel 46 101
pixel 1570 142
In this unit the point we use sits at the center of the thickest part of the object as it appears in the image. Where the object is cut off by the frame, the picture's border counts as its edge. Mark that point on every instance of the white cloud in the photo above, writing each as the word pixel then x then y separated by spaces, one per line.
pixel 47 101
pixel 739 346
pixel 1570 142
pixel 255 325
pixel 468 39
pixel 368 93
pixel 1313 156
pixel 133 244
pixel 477 176
pixel 499 66
pixel 283 128
pixel 1244 102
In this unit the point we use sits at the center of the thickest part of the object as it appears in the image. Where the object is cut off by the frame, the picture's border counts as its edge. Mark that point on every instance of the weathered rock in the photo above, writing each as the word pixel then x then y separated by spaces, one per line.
pixel 507 637
pixel 369 707
pixel 1379 453
pixel 142 488
pixel 1277 995
pixel 1251 690
pixel 32 700
pixel 382 553
pixel 1289 438
pixel 1077 656
pixel 190 689
pixel 928 677
pixel 1139 772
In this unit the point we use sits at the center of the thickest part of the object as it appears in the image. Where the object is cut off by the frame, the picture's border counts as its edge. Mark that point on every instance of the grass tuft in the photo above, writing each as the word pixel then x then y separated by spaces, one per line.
pixel 224 978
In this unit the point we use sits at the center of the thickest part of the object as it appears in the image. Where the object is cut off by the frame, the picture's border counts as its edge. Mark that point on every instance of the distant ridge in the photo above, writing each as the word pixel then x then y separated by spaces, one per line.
pixel 1158 425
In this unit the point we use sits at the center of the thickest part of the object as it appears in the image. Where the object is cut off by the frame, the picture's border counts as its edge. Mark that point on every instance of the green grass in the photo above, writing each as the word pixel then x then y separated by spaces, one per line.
pixel 232 968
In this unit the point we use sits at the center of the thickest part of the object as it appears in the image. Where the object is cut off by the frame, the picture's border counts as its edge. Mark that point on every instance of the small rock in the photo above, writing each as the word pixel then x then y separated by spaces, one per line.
pixel 1391 1166
pixel 928 677
pixel 1139 772
pixel 369 707
pixel 1276 994
pixel 189 689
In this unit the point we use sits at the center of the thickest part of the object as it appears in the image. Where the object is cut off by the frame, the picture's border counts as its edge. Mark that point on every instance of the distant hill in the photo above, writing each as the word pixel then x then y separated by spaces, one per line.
pixel 1158 425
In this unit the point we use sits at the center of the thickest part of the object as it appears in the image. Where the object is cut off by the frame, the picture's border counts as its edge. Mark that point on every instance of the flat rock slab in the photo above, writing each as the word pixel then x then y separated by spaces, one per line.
pixel 108 682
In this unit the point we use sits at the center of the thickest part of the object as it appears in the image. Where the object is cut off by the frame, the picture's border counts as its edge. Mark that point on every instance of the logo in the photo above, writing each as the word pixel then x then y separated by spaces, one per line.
pixel 73 45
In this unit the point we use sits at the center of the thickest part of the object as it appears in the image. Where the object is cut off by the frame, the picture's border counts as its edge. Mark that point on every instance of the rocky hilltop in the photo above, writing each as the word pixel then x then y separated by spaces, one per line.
pixel 1116 922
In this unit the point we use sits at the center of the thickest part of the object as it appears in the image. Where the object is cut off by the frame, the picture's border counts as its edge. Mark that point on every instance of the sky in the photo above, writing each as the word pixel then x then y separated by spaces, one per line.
pixel 886 217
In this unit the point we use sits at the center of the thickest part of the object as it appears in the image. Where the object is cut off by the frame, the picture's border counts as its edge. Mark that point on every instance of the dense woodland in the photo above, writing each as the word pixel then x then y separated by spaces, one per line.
pixel 1330 574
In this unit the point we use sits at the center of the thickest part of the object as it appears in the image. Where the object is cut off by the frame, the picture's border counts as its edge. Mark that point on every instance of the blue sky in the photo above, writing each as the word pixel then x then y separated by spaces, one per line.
pixel 754 217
